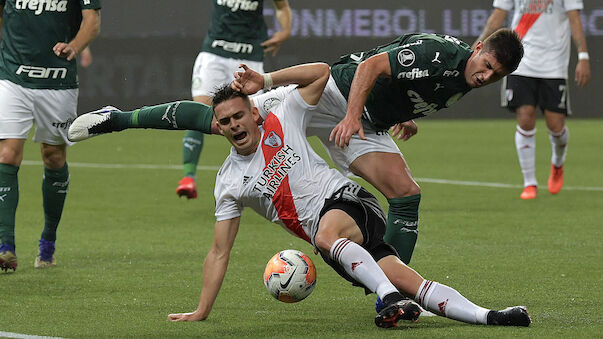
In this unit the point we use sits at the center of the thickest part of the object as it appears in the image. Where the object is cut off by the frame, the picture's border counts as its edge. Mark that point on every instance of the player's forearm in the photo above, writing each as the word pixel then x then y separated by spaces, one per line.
pixel 214 270
pixel 283 15
pixel 89 30
pixel 577 32
pixel 364 80
pixel 495 21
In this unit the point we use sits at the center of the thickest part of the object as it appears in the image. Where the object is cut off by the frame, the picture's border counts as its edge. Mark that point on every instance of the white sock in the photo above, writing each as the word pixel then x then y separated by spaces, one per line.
pixel 525 142
pixel 447 302
pixel 361 266
pixel 559 142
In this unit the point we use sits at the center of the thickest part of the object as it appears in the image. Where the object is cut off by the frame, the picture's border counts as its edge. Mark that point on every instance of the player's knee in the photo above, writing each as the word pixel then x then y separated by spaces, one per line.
pixel 53 159
pixel 407 189
pixel 10 156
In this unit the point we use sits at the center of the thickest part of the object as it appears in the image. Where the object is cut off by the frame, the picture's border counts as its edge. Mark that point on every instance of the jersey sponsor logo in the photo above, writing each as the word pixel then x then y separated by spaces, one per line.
pixel 406 57
pixel 415 73
pixel 451 73
pixel 275 171
pixel 421 107
pixel 435 59
pixel 38 6
pixel 270 103
pixel 453 99
pixel 273 140
pixel 233 47
pixel 63 124
pixel 42 72
pixel 235 5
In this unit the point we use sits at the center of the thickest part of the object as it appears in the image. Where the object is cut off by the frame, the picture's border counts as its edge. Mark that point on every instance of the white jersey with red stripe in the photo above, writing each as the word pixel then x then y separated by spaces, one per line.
pixel 285 181
pixel 545 31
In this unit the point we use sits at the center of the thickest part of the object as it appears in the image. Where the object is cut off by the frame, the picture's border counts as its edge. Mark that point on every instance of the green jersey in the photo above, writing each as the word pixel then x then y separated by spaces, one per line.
pixel 30 29
pixel 237 29
pixel 427 74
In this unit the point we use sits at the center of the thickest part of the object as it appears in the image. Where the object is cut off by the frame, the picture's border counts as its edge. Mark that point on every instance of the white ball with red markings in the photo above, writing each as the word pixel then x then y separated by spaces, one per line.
pixel 290 276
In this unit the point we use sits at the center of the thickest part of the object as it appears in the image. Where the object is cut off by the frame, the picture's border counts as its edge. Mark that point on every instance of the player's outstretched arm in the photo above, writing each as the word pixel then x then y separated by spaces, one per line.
pixel 495 21
pixel 582 75
pixel 88 31
pixel 283 15
pixel 364 79
pixel 214 270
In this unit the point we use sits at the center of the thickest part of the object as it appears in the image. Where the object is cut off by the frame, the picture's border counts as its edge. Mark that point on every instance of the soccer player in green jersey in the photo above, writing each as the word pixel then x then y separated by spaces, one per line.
pixel 237 34
pixel 38 84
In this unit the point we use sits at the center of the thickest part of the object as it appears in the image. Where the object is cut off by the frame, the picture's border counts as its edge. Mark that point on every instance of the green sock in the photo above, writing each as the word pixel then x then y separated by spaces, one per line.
pixel 9 198
pixel 54 191
pixel 402 223
pixel 178 115
pixel 192 144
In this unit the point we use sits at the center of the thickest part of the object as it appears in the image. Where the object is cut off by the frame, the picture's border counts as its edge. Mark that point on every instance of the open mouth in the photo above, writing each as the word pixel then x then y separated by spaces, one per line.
pixel 239 136
pixel 478 81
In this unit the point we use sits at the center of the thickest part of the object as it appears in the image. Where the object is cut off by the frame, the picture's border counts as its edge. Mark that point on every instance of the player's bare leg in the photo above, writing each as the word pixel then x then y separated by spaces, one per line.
pixel 389 173
pixel 525 143
pixel 559 136
pixel 446 301
pixel 11 155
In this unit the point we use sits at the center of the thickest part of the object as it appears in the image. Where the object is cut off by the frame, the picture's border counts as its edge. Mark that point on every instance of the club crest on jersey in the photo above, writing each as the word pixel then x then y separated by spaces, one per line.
pixel 406 57
pixel 273 140
pixel 509 94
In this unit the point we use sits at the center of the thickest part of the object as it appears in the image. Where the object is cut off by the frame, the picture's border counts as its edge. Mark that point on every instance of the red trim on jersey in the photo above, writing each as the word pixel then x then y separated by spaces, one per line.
pixel 528 19
pixel 282 198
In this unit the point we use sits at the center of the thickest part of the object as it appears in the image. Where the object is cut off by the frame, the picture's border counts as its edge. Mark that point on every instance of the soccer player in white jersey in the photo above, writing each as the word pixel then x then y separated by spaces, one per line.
pixel 273 170
pixel 237 34
pixel 540 81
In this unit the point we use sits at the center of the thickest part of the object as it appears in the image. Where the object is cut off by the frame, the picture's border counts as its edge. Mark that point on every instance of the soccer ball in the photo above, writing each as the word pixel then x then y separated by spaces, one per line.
pixel 290 276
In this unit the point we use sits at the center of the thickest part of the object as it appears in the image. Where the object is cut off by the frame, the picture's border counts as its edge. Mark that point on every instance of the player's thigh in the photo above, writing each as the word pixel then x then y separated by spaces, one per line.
pixel 387 172
pixel 54 111
pixel 16 110
pixel 520 95
pixel 334 224
pixel 554 94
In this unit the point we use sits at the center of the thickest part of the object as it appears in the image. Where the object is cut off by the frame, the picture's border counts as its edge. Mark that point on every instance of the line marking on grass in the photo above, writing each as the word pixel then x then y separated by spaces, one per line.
pixel 216 168
pixel 25 336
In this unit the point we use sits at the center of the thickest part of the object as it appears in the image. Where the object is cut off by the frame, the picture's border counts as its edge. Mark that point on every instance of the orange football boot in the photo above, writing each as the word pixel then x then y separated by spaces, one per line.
pixel 187 188
pixel 529 192
pixel 556 179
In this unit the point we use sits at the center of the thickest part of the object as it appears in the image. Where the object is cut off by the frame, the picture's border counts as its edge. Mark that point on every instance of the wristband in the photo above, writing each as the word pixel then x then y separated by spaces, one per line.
pixel 583 56
pixel 267 81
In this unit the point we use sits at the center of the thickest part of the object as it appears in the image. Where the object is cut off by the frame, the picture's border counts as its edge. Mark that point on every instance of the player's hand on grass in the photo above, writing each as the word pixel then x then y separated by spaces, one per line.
pixel 247 81
pixel 191 316
pixel 342 133
pixel 64 50
pixel 404 130
pixel 272 45
pixel 582 76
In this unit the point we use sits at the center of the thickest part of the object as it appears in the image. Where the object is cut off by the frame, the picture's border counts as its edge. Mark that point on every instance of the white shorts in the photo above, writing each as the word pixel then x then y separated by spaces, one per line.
pixel 212 71
pixel 51 110
pixel 329 112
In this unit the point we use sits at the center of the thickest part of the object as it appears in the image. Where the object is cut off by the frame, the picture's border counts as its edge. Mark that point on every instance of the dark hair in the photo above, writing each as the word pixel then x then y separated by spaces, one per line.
pixel 506 46
pixel 225 93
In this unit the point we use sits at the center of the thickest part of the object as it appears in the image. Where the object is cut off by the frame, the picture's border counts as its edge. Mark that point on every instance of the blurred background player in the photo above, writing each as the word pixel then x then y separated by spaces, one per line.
pixel 541 78
pixel 38 83
pixel 237 34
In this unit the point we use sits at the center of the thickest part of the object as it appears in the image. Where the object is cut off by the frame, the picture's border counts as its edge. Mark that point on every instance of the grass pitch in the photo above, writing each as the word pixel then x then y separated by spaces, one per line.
pixel 130 252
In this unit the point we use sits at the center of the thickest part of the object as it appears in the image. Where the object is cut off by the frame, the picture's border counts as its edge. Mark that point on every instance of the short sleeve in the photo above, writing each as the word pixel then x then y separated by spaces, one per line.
pixel 506 5
pixel 227 206
pixel 294 110
pixel 266 102
pixel 90 4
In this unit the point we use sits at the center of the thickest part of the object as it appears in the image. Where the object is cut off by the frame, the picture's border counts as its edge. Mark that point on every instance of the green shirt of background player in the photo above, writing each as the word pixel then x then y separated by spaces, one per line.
pixel 237 34
pixel 38 84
